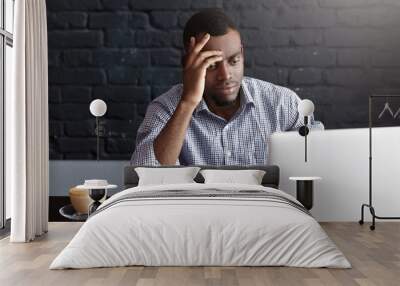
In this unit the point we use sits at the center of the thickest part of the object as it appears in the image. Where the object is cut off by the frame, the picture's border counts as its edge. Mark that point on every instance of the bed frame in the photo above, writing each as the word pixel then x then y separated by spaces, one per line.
pixel 270 179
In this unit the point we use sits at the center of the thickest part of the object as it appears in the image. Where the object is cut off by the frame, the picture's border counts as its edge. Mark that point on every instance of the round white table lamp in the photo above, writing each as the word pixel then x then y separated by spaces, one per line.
pixel 305 108
pixel 98 108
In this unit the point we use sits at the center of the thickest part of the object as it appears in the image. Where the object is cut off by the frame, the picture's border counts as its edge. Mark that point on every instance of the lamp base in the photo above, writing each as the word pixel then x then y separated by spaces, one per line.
pixel 304 130
pixel 96 195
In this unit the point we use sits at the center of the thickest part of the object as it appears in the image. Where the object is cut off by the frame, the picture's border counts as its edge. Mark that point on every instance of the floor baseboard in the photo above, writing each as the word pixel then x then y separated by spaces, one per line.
pixel 55 203
pixel 5 231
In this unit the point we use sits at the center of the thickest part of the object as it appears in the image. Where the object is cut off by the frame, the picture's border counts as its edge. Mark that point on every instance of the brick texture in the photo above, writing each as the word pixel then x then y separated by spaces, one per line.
pixel 128 52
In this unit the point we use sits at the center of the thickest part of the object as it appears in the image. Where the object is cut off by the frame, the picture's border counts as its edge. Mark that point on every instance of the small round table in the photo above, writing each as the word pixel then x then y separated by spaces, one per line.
pixel 97 191
pixel 304 190
pixel 69 212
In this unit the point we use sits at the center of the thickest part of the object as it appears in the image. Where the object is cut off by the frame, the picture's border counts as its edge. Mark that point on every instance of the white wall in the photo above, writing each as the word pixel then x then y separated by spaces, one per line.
pixel 65 174
pixel 340 157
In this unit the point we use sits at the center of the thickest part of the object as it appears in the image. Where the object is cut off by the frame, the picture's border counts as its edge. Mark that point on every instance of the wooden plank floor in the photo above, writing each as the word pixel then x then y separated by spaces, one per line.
pixel 375 257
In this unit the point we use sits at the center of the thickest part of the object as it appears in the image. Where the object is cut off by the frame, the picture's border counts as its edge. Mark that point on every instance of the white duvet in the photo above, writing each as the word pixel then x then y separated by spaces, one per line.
pixel 200 231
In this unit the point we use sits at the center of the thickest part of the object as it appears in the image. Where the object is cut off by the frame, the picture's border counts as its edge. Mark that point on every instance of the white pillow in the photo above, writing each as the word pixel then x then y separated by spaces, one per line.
pixel 249 177
pixel 163 176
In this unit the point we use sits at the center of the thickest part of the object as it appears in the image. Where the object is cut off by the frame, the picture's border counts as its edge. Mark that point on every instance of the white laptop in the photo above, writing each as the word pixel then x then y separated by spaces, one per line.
pixel 340 157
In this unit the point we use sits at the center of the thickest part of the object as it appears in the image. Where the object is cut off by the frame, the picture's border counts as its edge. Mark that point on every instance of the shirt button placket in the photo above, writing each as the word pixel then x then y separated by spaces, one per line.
pixel 225 142
pixel 228 155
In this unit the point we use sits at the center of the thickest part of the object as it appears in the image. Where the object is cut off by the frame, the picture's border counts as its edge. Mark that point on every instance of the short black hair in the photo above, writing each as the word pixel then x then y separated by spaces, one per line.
pixel 211 20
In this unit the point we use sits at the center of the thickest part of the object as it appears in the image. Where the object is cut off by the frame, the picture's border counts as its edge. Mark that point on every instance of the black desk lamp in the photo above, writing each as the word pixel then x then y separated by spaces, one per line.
pixel 305 108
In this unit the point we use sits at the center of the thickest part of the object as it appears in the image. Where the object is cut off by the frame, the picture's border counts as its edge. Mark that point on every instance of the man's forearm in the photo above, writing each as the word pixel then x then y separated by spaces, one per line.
pixel 168 144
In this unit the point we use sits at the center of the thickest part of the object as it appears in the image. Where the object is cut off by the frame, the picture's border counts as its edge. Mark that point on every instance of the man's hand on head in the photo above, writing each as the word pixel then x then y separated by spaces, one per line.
pixel 195 68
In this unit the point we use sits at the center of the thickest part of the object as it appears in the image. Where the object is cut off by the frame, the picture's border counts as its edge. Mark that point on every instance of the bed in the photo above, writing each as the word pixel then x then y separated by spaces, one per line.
pixel 198 224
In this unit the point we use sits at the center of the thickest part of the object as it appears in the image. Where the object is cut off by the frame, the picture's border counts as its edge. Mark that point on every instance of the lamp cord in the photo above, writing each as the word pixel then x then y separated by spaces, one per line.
pixel 98 138
pixel 305 151
pixel 305 137
pixel 262 136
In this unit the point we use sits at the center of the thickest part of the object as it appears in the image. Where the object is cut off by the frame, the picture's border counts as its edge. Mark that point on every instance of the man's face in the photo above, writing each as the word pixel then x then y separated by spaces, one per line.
pixel 223 79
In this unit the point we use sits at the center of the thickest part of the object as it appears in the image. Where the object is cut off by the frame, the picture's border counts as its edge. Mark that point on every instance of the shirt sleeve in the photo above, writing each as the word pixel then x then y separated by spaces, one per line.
pixel 155 119
pixel 295 120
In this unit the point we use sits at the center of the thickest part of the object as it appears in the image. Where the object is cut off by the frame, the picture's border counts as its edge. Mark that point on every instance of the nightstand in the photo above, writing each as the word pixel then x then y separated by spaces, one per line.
pixel 304 190
pixel 97 191
pixel 69 212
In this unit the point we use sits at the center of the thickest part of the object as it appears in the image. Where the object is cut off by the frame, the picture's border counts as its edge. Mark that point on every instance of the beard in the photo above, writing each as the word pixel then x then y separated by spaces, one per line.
pixel 222 100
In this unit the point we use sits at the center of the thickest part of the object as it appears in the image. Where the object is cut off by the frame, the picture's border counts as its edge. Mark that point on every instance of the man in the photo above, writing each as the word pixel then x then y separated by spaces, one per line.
pixel 217 116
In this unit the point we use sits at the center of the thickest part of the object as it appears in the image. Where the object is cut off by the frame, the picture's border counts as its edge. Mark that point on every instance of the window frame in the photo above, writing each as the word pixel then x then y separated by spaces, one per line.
pixel 6 39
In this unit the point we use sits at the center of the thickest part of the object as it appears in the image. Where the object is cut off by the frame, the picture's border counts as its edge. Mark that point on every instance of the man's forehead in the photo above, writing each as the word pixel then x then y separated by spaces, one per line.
pixel 230 43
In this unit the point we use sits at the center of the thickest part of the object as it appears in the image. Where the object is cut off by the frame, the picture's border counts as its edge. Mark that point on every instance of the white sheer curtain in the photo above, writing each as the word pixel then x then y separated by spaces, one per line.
pixel 27 145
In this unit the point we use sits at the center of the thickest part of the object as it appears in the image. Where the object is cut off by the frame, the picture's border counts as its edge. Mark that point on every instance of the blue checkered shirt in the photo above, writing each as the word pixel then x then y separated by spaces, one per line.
pixel 265 108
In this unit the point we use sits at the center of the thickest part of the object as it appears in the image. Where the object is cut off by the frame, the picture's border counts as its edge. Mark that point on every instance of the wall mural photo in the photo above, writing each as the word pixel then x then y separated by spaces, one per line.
pixel 228 57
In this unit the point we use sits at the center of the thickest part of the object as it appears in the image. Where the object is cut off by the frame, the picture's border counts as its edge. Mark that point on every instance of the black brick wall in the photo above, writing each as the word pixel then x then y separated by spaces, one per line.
pixel 127 52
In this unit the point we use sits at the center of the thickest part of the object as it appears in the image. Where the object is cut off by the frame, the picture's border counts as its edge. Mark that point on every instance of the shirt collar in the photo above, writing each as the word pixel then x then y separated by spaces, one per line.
pixel 246 96
pixel 201 106
pixel 245 99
